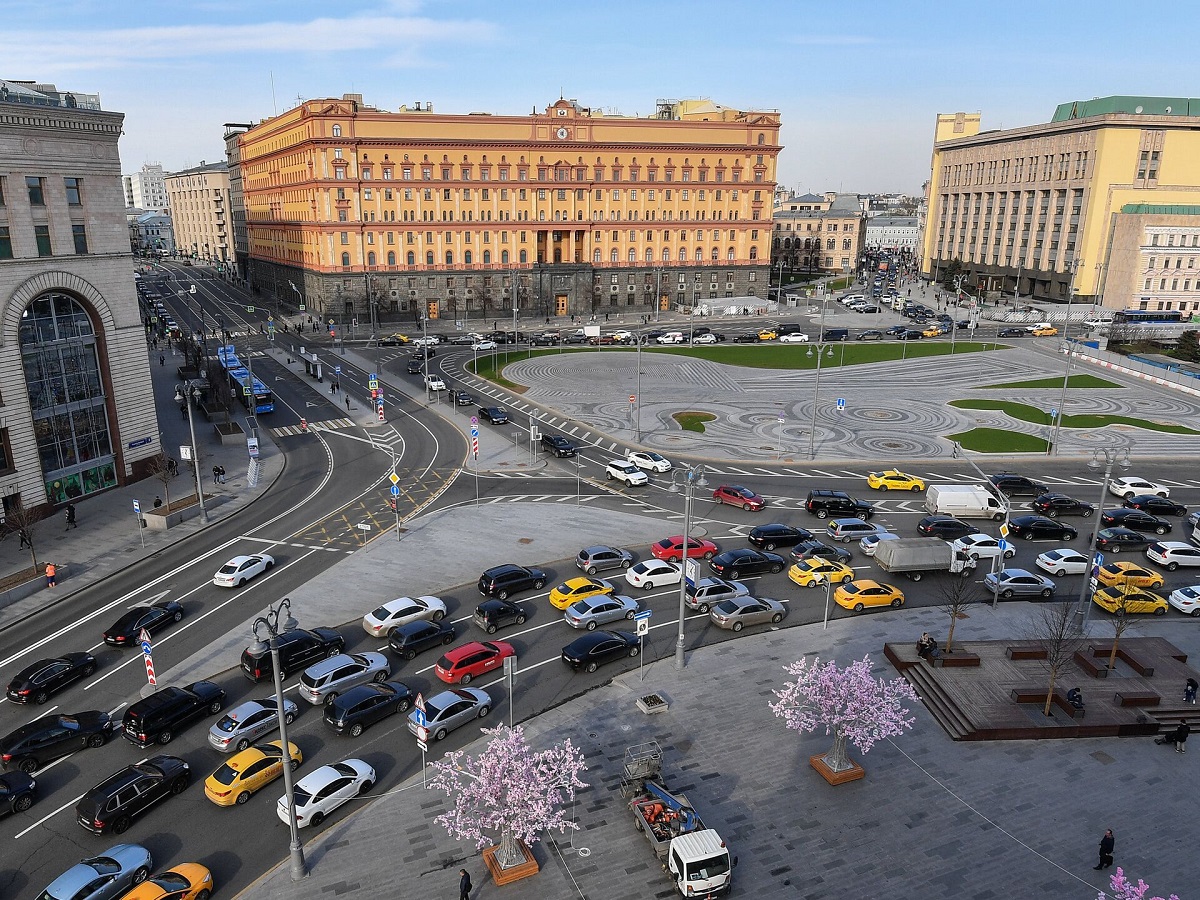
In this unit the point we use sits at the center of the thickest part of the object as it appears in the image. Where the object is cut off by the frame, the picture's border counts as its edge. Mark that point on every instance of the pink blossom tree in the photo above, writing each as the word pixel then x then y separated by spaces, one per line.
pixel 510 789
pixel 848 702
pixel 1124 889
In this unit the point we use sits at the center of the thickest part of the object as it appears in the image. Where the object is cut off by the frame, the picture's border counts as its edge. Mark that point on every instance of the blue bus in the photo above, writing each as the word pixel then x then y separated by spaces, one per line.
pixel 1148 316
pixel 240 379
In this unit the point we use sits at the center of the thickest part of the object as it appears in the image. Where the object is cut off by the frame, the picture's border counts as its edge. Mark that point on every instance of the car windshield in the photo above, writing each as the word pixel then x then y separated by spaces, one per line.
pixel 228 569
pixel 432 710
pixel 343 769
pixel 225 775
pixel 300 796
pixel 581 607
pixel 171 881
pixel 104 865
pixel 708 868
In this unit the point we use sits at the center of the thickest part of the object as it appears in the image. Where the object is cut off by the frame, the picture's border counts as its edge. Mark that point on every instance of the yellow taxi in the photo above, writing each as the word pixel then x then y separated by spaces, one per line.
pixel 248 771
pixel 932 331
pixel 815 571
pixel 893 480
pixel 860 594
pixel 1130 600
pixel 767 334
pixel 1119 574
pixel 578 589
pixel 187 881
pixel 1049 331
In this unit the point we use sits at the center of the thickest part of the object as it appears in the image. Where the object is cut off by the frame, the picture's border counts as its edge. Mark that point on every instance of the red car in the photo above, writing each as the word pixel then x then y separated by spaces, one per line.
pixel 460 665
pixel 671 549
pixel 736 495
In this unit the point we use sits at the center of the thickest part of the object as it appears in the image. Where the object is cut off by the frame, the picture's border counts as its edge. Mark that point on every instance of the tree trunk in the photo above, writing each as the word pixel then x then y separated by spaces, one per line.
pixel 509 854
pixel 1112 655
pixel 950 635
pixel 1049 697
pixel 836 758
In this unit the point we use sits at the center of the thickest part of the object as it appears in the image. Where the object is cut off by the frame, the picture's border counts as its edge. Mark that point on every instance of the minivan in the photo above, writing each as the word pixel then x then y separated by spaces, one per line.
pixel 835 334
pixel 847 530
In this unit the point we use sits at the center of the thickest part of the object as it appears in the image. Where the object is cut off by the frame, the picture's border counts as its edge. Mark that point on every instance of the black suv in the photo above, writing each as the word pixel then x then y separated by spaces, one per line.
pixel 1016 485
pixel 113 804
pixel 297 650
pixel 822 503
pixel 52 737
pixel 157 718
pixel 493 614
pixel 500 581
pixel 558 445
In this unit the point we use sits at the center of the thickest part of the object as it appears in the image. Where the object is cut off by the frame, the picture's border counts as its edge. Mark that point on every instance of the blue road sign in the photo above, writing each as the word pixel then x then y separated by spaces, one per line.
pixel 1098 559
pixel 474 432
pixel 1002 544
pixel 137 507
pixel 373 377
pixel 1053 413
pixel 337 370
pixel 419 718
pixel 395 490
pixel 841 402
pixel 642 614
pixel 146 648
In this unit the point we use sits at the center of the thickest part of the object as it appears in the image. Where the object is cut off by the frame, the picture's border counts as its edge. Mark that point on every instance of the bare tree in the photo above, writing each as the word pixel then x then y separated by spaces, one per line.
pixel 160 468
pixel 1120 621
pixel 20 520
pixel 1050 628
pixel 955 597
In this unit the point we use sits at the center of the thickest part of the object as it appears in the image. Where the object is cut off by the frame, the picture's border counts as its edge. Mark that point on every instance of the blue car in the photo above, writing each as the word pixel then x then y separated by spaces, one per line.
pixel 102 877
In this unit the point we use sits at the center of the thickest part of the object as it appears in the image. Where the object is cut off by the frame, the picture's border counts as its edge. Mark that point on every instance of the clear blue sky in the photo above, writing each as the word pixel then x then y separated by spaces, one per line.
pixel 858 83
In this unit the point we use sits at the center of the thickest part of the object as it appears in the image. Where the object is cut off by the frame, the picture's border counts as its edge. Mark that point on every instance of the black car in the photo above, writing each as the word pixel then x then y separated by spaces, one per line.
pixel 1135 519
pixel 1016 485
pixel 872 335
pixel 835 334
pixel 17 793
pixel 114 803
pixel 491 615
pixel 500 581
pixel 298 649
pixel 411 638
pixel 162 715
pixel 748 337
pixel 52 737
pixel 590 651
pixel 1042 528
pixel 1114 540
pixel 365 705
pixel 462 398
pixel 945 527
pixel 1053 504
pixel 838 503
pixel 814 548
pixel 869 308
pixel 1012 332
pixel 558 445
pixel 390 341
pixel 125 631
pixel 494 415
pixel 768 537
pixel 426 352
pixel 38 682
pixel 416 366
pixel 547 339
pixel 744 561
pixel 1159 506
pixel 911 336
pixel 896 331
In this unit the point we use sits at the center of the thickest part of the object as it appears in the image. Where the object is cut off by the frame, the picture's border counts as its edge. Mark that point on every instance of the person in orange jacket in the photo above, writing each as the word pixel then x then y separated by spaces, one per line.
pixel 51 575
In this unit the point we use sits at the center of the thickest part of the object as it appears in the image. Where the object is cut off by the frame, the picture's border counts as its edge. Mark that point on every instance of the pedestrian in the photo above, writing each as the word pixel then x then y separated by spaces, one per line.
pixel 1106 850
pixel 464 885
pixel 157 502
pixel 162 360
pixel 1189 691
pixel 173 466
pixel 347 402
pixel 24 540
pixel 216 474
pixel 71 523
pixel 221 472
pixel 51 575
pixel 1181 736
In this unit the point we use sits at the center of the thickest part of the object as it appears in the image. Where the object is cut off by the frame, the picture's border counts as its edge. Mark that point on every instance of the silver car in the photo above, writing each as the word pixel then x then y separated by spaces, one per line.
pixel 737 613
pixel 450 710
pixel 247 722
pixel 593 611
pixel 323 681
pixel 596 559
pixel 109 875
pixel 1018 583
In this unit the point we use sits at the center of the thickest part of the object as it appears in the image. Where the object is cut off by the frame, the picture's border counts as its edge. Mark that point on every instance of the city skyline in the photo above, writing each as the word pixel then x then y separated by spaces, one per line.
pixel 858 91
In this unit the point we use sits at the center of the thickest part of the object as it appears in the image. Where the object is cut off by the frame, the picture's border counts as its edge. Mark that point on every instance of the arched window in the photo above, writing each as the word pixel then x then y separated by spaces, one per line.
pixel 337 130
pixel 391 257
pixel 504 257
pixel 754 253
pixel 429 257
pixel 683 254
pixel 762 139
pixel 524 256
pixel 596 255
pixel 487 257
pixel 614 255
pixel 716 254
pixel 699 254
pixel 371 258
pixel 729 254
pixel 346 260
pixel 411 259
pixel 649 255
pixel 632 255
pixel 829 244
pixel 466 257
pixel 666 255
pixel 449 257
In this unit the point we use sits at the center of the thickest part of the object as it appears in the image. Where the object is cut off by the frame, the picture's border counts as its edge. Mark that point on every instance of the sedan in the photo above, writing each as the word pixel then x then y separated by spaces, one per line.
pixel 319 793
pixel 896 331
pixel 871 335
pixel 1127 488
pixel 1012 332
pixel 733 563
pixel 1121 574
pixel 1045 332
pixel 671 548
pixel 1009 583
pixel 767 334
pixel 1063 562
pixel 593 611
pixel 1135 519
pixel 945 527
pixel 705 339
pixel 652 572
pixel 463 398
pixel 579 589
pixel 870 544
pixel 808 549
pixel 155 617
pixel 983 546
pixel 241 569
pixel 858 595
pixel 479 346
pixel 1053 505
pixel 365 705
pixel 796 337
pixel 475 658
pixel 451 709
pixel 736 495
pixel 38 682
pixel 1041 528
pixel 815 571
pixel 749 337
pixel 1173 554
pixel 1130 600
pixel 494 415
pixel 187 881
pixel 737 613
pixel 104 877
pixel 53 737
pixel 592 650
pixel 1114 540
pixel 1186 600
pixel 401 611
pixel 768 537
pixel 893 480
pixel 247 722
pixel 18 791
pixel 1159 506
pixel 649 461
pixel 434 383
pixel 237 779
pixel 413 637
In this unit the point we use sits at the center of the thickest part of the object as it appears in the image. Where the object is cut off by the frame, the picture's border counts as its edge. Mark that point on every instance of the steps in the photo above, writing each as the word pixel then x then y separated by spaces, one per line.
pixel 947 713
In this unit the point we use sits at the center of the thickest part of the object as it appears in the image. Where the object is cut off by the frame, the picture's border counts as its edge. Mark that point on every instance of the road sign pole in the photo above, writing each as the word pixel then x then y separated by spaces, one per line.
pixel 137 514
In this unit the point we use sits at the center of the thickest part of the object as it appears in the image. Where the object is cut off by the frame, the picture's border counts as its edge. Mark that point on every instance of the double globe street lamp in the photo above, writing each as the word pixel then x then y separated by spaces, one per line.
pixel 186 394
pixel 693 478
pixel 1106 458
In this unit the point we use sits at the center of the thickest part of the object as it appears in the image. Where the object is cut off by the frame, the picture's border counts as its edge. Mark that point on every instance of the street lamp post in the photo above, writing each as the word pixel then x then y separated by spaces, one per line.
pixel 1062 399
pixel 1111 456
pixel 822 351
pixel 270 621
pixel 186 393
pixel 694 478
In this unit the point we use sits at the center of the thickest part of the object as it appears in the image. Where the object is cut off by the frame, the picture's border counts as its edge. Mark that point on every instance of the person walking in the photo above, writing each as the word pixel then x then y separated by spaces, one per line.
pixel 51 575
pixel 71 523
pixel 1181 736
pixel 1189 691
pixel 464 885
pixel 162 359
pixel 221 473
pixel 1106 850
pixel 216 474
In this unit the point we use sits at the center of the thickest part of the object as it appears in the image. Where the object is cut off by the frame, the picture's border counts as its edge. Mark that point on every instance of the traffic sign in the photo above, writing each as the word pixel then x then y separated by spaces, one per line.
pixel 1053 413
pixel 691 571
pixel 421 745
pixel 1004 529
pixel 642 614
pixel 374 376
pixel 633 398
pixel 137 507
pixel 337 370
pixel 841 402
pixel 1098 559
pixel 395 489
pixel 419 703
pixel 419 718
pixel 642 627
pixel 394 478
pixel 422 733
pixel 474 420
pixel 1002 544
pixel 474 432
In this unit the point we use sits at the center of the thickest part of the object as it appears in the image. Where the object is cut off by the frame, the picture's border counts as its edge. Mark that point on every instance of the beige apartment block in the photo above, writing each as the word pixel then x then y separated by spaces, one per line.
pixel 199 201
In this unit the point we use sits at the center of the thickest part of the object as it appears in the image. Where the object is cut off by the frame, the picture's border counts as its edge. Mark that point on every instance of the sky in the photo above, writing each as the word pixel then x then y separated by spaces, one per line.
pixel 858 83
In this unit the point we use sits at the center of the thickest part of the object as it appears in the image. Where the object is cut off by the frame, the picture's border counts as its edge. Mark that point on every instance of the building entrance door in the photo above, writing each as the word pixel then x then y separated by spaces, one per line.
pixel 560 304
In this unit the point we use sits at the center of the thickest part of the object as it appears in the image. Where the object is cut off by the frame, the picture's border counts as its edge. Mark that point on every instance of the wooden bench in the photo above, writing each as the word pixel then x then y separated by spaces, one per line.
pixel 959 659
pixel 1130 660
pixel 1089 664
pixel 1034 694
pixel 1025 653
pixel 1136 698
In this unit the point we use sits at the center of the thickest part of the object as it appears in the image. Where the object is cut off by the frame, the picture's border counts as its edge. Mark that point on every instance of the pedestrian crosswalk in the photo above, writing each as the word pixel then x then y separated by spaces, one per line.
pixel 323 425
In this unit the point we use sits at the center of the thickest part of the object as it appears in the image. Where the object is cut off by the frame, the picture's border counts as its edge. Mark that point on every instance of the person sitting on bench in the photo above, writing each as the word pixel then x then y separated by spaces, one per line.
pixel 927 648
pixel 1075 697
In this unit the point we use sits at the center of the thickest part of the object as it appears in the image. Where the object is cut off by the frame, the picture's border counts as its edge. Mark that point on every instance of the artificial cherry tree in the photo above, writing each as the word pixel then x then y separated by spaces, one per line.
pixel 1124 889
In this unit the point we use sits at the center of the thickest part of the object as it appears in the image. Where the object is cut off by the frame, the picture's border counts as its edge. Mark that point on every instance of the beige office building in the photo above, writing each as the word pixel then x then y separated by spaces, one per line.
pixel 199 201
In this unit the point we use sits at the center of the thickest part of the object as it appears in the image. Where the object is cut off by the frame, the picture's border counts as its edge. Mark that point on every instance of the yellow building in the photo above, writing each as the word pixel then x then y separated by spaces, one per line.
pixel 199 201
pixel 1036 208
pixel 823 240
pixel 420 211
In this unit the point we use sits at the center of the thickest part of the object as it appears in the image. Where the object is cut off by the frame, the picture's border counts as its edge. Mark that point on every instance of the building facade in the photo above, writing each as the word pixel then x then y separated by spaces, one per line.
pixel 1033 209
pixel 820 241
pixel 146 189
pixel 1159 266
pixel 199 202
pixel 150 232
pixel 75 410
pixel 435 214
pixel 892 233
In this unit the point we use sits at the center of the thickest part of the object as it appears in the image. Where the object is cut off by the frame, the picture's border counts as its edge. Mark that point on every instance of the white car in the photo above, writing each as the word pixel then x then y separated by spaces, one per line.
pixel 796 337
pixel 653 573
pixel 1186 600
pixel 1097 323
pixel 709 338
pixel 319 793
pixel 848 297
pixel 1064 561
pixel 241 569
pixel 484 345
pixel 1132 487
pixel 982 546
pixel 624 470
pixel 401 611
pixel 424 341
pixel 434 383
pixel 649 460
pixel 870 543
pixel 1173 554
pixel 622 336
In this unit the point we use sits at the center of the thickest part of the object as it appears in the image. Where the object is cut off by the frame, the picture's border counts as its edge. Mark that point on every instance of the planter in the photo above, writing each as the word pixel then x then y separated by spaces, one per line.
pixel 652 703
pixel 853 773
pixel 161 519
pixel 230 434
pixel 512 873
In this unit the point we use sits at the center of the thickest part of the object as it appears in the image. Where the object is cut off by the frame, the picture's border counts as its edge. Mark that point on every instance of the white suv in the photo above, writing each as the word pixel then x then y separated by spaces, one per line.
pixel 1173 554
pixel 434 383
pixel 624 470
pixel 982 546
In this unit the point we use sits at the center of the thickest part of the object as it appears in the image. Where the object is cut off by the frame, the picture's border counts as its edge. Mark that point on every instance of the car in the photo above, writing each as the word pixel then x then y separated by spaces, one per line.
pixel 893 480
pixel 1186 600
pixel 1156 505
pixel 52 737
pixel 816 571
pixel 427 352
pixel 474 658
pixel 768 537
pixel 600 557
pixel 363 706
pixel 623 470
pixel 706 592
pixel 1114 540
pixel 796 337
pixel 1127 600
pixel 1049 331
pixel 1008 583
pixel 871 542
pixel 501 581
pixel 434 383
pixel 494 415
pixel 114 803
pixel 835 334
pixel 767 334
pixel 480 346
pixel 415 366
pixel 931 331
pixel 1011 485
pixel 847 530
pixel 671 548
pixel 1121 574
pixel 590 651
pixel 653 572
pixel 816 548
pixel 108 876
pixel 18 792
pixel 394 340
pixel 323 790
pixel 671 337
pixel 1012 332
pixel 547 339
pixel 1041 528
pixel 1127 488
pixel 298 648
pixel 238 778
pixel 558 445
pixel 649 461
pixel 186 881
pixel 464 398
pixel 241 569
pixel 323 681
pixel 577 589
pixel 247 722
pixel 869 335
pixel 1173 554
pixel 40 681
pixel 591 612
pixel 749 337
pixel 736 495
pixel 857 595
pixel 911 335
pixel 1053 504
pixel 622 336
pixel 896 331
pixel 982 546
pixel 156 719
pixel 451 709
pixel 708 338
pixel 1097 323
pixel 1192 521
pixel 746 561
pixel 401 611
pixel 735 614
pixel 1064 561
pixel 411 638
pixel 822 503
pixel 152 618
pixel 868 309
pixel 1134 519
pixel 427 341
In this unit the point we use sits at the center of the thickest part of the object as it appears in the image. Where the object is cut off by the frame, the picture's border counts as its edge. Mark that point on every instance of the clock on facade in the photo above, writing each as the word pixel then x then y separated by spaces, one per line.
pixel 561 133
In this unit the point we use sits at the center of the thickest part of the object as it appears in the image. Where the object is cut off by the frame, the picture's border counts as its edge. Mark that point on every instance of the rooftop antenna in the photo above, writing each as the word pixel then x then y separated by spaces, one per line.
pixel 274 108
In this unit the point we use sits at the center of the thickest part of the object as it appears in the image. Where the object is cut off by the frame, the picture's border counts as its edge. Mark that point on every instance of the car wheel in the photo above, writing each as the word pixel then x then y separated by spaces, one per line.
pixel 862 516
pixel 356 729
pixel 591 626
pixel 702 609
pixel 858 607
pixel 1115 548
pixel 634 651
pixel 1047 594
pixel 28 766
pixel 242 797
pixel 1028 536
pixel 242 744
pixel 179 785
pixel 776 568
pixel 95 740
pixel 240 582
pixel 1052 514
pixel 1172 566
pixel 440 734
pixel 316 819
pixel 1129 495
pixel 672 559
pixel 631 614
pixel 164 737
pixel 503 595
pixel 915 489
pixel 330 697
pixel 484 710
pixel 1160 611
pixel 998 517
pixel 896 603
pixel 777 618
pixel 491 629
pixel 708 554
pixel 746 507
pixel 365 786
pixel 121 825
pixel 1085 512
pixel 1061 572
pixel 411 654
pixel 768 546
pixel 1160 530
pixel 41 697
pixel 332 652
pixel 609 474
pixel 380 676
pixel 591 667
pixel 626 563
pixel 1006 595
pixel 738 626
pixel 590 570
pixel 466 678
pixel 883 487
pixel 520 620
pixel 846 539
pixel 438 615
pixel 89 669
pixel 203 895
pixel 215 707
pixel 822 514
pixel 1164 496
pixel 732 573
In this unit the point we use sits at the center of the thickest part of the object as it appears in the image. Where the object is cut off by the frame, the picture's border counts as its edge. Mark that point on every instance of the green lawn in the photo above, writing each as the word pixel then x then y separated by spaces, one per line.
pixel 490 368
pixel 1037 416
pixel 693 421
pixel 1075 381
pixel 997 440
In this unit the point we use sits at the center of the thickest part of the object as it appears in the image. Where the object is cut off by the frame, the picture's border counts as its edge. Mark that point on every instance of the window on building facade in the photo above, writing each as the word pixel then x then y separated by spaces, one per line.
pixel 6 249
pixel 79 236
pixel 37 194
pixel 42 234
pixel 72 186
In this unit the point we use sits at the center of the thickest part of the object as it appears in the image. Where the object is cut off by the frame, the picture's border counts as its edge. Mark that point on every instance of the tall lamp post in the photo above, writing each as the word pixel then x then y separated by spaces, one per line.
pixel 1062 399
pixel 270 622
pixel 186 393
pixel 822 352
pixel 1106 458
pixel 693 478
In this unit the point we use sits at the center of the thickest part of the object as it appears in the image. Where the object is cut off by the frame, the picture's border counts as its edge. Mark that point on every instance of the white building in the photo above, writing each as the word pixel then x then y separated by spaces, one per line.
pixel 150 232
pixel 146 189
pixel 893 233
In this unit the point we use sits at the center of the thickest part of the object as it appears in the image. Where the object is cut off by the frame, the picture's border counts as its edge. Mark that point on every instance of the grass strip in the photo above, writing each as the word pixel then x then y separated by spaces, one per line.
pixel 997 440
pixel 1037 416
pixel 1074 381
pixel 693 421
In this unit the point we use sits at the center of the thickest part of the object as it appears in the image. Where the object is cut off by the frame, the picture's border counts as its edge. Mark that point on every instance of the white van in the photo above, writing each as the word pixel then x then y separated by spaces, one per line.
pixel 964 501
pixel 671 337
